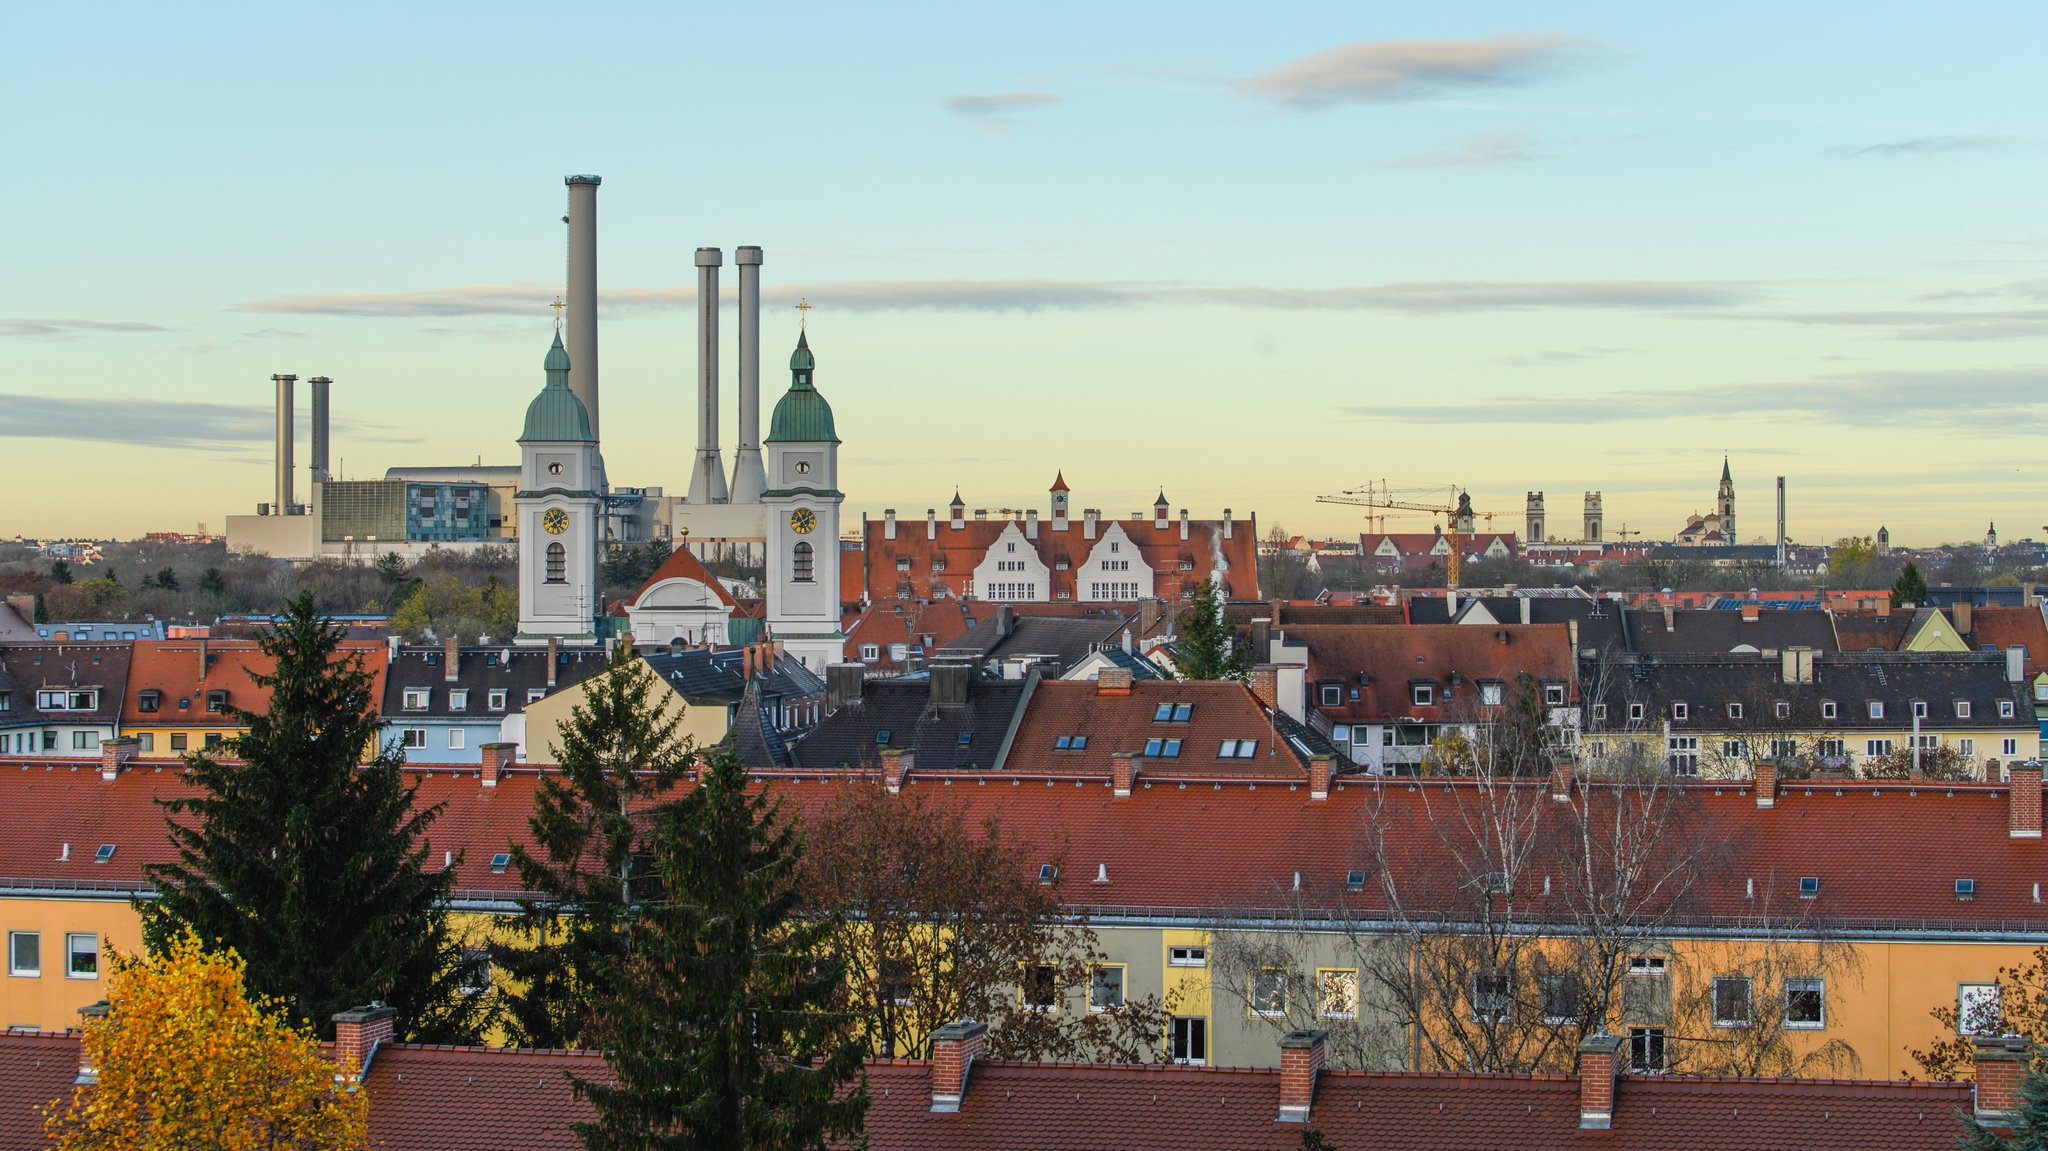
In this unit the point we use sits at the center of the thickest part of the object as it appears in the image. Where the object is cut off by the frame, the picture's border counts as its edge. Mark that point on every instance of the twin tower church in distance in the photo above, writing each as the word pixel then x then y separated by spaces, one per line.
pixel 560 513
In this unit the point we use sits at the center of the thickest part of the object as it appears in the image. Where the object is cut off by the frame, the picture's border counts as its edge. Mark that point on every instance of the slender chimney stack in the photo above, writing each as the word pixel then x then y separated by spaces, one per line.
pixel 318 463
pixel 707 480
pixel 749 478
pixel 283 506
pixel 1781 521
pixel 582 337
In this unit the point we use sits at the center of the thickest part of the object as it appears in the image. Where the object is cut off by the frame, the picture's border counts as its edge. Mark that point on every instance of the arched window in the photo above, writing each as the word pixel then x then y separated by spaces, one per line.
pixel 558 564
pixel 800 563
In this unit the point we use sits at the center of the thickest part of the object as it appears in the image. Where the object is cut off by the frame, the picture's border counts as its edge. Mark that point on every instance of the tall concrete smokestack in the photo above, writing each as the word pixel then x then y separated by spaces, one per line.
pixel 582 338
pixel 749 478
pixel 283 504
pixel 707 477
pixel 1781 521
pixel 318 464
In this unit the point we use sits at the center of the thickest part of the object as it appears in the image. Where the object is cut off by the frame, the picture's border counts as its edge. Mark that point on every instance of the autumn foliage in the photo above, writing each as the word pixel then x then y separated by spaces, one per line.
pixel 185 1058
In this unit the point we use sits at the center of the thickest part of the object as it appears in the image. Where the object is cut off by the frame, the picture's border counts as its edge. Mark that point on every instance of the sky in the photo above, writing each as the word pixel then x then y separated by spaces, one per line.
pixel 1246 254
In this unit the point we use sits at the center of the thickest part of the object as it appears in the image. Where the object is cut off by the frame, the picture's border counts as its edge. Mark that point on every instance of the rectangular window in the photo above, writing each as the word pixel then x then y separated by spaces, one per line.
pixel 458 699
pixel 1636 712
pixel 1106 987
pixel 1977 1009
pixel 1187 957
pixel 1734 711
pixel 1336 993
pixel 2009 747
pixel 1422 694
pixel 179 741
pixel 2005 709
pixel 1967 747
pixel 1564 997
pixel 1333 694
pixel 1162 748
pixel 870 652
pixel 1492 993
pixel 413 737
pixel 1923 742
pixel 1682 754
pixel 25 953
pixel 81 956
pixel 1680 711
pixel 1873 748
pixel 1784 749
pixel 1553 695
pixel 495 700
pixel 1647 965
pixel 149 701
pixel 1806 1004
pixel 1876 709
pixel 1268 998
pixel 1040 987
pixel 82 740
pixel 1734 749
pixel 1599 713
pixel 216 702
pixel 1919 709
pixel 1646 1050
pixel 1962 709
pixel 214 738
pixel 416 698
pixel 536 694
pixel 1827 709
pixel 1238 749
pixel 1491 693
pixel 1781 710
pixel 146 742
pixel 1829 749
pixel 1731 1001
pixel 1189 1039
pixel 457 738
pixel 475 976
pixel 49 741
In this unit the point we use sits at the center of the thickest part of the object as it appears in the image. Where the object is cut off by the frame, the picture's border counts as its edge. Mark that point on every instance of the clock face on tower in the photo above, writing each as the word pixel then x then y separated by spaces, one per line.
pixel 802 520
pixel 555 521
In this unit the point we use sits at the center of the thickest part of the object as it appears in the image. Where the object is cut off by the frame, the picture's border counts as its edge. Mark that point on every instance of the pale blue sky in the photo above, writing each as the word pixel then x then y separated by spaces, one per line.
pixel 1246 254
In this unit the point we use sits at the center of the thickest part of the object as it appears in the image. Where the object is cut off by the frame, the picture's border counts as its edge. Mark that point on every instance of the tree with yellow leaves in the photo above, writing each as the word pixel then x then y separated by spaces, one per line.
pixel 183 1057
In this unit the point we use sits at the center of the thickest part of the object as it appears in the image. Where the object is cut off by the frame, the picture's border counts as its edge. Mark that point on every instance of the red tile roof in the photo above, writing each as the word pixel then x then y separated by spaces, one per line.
pixel 2005 627
pixel 171 668
pixel 1112 723
pixel 1393 658
pixel 36 1070
pixel 962 550
pixel 682 564
pixel 477 1098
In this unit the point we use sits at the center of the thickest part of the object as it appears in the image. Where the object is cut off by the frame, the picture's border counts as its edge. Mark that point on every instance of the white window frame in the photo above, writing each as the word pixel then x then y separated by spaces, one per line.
pixel 1828 709
pixel 1492 692
pixel 412 738
pixel 2006 709
pixel 2010 747
pixel 1324 976
pixel 1187 955
pixel 1748 1001
pixel 458 699
pixel 1122 983
pixel 418 698
pixel 1968 998
pixel 458 739
pixel 1253 998
pixel 1813 984
pixel 1182 1032
pixel 1422 695
pixel 15 969
pixel 1024 988
pixel 1874 748
pixel 1553 695
pixel 1875 708
pixel 72 950
pixel 1962 709
pixel 495 699
pixel 1679 710
pixel 1643 1042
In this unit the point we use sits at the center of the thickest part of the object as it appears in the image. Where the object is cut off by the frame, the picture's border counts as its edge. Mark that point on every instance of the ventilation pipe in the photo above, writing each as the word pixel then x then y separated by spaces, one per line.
pixel 582 341
pixel 283 504
pixel 707 481
pixel 749 478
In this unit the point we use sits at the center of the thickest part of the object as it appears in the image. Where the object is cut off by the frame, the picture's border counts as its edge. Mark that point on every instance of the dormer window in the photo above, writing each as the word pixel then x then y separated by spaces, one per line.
pixel 1827 709
pixel 1962 709
pixel 1734 711
pixel 1332 694
pixel 1491 692
pixel 1876 709
pixel 1680 711
pixel 1553 695
pixel 2005 709
pixel 216 701
pixel 458 699
pixel 1919 709
pixel 416 698
pixel 149 700
pixel 1636 712
pixel 1781 710
pixel 1422 694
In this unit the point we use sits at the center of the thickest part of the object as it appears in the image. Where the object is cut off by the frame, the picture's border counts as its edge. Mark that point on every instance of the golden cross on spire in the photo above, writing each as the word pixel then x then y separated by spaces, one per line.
pixel 803 313
pixel 558 305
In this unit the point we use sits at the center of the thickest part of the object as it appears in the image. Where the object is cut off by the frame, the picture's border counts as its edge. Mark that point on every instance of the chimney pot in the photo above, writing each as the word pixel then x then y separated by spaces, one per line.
pixel 1301 1060
pixel 1599 1058
pixel 1319 777
pixel 1265 685
pixel 2023 801
pixel 2001 1064
pixel 1766 783
pixel 1113 681
pixel 496 757
pixel 115 754
pixel 955 1047
pixel 1124 769
pixel 451 660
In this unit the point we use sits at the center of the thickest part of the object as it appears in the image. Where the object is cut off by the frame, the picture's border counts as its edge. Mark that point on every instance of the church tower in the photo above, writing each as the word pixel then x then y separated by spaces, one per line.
pixel 559 513
pixel 802 503
pixel 1059 494
pixel 1724 503
pixel 1533 514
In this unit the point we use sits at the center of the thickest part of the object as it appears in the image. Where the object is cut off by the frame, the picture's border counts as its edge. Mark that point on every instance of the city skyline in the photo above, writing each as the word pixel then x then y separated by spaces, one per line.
pixel 1247 263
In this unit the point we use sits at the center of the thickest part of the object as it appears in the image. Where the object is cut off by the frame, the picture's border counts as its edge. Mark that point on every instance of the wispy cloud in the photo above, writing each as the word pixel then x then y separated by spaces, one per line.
pixel 1052 295
pixel 1392 71
pixel 1484 149
pixel 1560 357
pixel 998 113
pixel 2013 400
pixel 1930 324
pixel 71 328
pixel 222 428
pixel 1917 146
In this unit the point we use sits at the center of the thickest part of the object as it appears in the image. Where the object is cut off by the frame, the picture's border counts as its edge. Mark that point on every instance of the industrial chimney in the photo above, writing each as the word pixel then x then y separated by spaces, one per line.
pixel 1781 521
pixel 318 464
pixel 582 338
pixel 283 506
pixel 749 478
pixel 707 478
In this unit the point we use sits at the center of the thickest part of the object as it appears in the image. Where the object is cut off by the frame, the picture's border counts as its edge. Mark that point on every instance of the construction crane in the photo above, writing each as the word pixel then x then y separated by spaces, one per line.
pixel 1459 514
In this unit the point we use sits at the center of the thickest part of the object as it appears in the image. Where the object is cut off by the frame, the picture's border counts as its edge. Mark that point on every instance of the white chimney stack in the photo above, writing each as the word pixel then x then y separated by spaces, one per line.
pixel 582 336
pixel 707 479
pixel 283 506
pixel 749 477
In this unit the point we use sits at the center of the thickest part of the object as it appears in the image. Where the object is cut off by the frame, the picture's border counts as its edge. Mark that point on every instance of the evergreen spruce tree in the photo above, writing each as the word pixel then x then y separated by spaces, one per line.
pixel 308 862
pixel 720 1033
pixel 591 826
pixel 2029 1133
pixel 1205 650
pixel 1910 588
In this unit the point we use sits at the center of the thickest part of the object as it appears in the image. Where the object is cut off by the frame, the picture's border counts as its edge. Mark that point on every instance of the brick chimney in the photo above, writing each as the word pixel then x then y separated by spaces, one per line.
pixel 1562 777
pixel 1599 1062
pixel 1265 684
pixel 2001 1064
pixel 955 1047
pixel 202 659
pixel 897 765
pixel 1113 681
pixel 1963 621
pixel 451 660
pixel 1301 1060
pixel 554 650
pixel 496 757
pixel 1124 769
pixel 1751 612
pixel 1766 783
pixel 89 1016
pixel 115 754
pixel 1319 777
pixel 2023 801
pixel 357 1032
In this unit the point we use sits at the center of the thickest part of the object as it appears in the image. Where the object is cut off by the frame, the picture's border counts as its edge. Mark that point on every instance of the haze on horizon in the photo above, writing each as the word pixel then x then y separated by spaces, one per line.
pixel 1243 257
